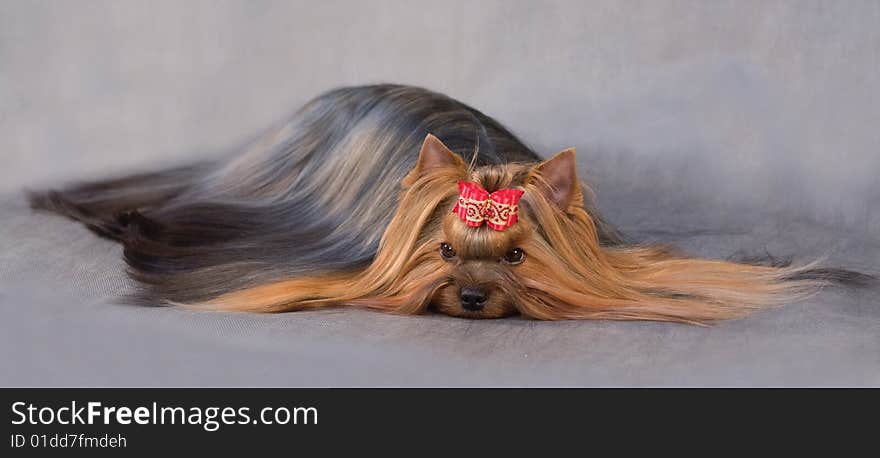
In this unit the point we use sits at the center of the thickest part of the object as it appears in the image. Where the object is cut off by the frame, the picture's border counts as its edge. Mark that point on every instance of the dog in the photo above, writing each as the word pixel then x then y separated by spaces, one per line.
pixel 399 199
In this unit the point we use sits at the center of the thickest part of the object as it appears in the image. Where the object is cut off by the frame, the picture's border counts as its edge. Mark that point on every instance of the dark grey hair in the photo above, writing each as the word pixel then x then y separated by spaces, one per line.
pixel 313 195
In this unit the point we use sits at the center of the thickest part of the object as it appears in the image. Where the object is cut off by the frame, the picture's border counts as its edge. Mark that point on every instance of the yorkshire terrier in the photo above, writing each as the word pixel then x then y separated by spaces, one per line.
pixel 399 199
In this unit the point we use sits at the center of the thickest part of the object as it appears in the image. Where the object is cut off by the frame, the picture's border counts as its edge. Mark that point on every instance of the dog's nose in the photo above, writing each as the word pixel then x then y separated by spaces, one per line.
pixel 473 299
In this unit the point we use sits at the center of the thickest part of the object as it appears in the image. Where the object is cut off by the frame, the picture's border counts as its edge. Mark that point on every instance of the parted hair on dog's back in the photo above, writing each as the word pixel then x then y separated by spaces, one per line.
pixel 349 202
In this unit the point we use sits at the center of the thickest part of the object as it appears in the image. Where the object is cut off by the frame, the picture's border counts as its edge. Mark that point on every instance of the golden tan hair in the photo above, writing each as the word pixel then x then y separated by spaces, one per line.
pixel 568 274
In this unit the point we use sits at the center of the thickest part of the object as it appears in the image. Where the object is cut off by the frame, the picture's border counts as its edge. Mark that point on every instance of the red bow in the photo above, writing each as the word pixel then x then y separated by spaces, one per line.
pixel 476 206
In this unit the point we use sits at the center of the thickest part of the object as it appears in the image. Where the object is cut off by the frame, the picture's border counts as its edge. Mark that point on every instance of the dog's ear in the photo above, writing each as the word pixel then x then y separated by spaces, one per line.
pixel 434 156
pixel 557 179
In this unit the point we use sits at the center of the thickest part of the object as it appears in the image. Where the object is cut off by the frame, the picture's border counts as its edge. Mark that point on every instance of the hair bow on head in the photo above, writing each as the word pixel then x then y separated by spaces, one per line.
pixel 476 206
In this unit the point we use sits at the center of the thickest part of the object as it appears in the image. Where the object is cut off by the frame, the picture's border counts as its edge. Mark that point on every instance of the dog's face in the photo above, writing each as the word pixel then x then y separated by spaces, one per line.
pixel 482 267
pixel 484 272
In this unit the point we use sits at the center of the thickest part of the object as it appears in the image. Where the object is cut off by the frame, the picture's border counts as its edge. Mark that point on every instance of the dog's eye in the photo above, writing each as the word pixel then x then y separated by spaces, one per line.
pixel 515 256
pixel 447 252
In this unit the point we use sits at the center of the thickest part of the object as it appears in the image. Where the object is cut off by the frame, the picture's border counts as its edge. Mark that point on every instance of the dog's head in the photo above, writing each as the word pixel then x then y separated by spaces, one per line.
pixel 477 270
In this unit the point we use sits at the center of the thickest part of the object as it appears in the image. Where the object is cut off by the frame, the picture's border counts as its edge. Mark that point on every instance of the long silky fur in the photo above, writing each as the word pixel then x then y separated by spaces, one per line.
pixel 314 214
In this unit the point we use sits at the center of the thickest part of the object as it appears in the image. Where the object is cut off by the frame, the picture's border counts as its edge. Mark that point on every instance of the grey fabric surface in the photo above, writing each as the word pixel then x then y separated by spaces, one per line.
pixel 724 127
pixel 61 326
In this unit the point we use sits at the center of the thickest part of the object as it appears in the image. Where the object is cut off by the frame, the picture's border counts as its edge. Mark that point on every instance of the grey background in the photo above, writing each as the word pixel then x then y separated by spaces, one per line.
pixel 723 127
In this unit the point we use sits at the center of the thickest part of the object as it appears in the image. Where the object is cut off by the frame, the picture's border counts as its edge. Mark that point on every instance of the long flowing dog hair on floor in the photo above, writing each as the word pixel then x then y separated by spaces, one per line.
pixel 349 203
